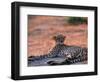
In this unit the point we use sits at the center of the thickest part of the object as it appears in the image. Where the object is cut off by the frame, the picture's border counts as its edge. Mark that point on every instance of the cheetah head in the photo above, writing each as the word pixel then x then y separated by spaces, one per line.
pixel 59 39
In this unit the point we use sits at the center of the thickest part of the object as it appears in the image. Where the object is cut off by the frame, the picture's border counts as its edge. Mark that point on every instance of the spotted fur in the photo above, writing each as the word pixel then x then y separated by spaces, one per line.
pixel 72 54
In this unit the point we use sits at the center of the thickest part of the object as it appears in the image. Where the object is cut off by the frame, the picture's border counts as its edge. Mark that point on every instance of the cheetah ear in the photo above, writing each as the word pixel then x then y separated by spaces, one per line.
pixel 54 38
pixel 64 37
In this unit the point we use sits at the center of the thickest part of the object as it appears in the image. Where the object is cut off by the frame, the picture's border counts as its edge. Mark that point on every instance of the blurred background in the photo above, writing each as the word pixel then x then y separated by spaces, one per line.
pixel 41 30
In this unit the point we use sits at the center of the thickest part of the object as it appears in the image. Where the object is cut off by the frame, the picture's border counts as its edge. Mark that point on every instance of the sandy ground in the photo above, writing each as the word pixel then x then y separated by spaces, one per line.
pixel 41 29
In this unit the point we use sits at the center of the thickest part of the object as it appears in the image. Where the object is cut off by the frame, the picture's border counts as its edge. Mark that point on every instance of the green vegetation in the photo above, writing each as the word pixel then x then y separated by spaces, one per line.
pixel 77 20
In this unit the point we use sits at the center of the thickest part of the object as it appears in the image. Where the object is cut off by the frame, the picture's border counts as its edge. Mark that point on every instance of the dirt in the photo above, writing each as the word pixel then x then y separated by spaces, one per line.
pixel 41 30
